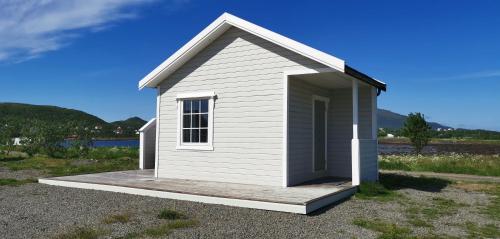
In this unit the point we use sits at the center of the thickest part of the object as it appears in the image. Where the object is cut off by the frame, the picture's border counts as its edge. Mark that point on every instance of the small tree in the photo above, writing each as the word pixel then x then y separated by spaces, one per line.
pixel 40 137
pixel 8 132
pixel 82 139
pixel 417 130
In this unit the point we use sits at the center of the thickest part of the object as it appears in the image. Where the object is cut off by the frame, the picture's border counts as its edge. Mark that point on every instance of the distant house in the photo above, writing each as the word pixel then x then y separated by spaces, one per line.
pixel 118 130
pixel 241 104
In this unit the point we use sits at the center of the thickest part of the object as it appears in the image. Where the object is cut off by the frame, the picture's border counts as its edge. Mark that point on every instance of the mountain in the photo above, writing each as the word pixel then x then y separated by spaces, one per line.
pixel 391 120
pixel 54 115
pixel 130 123
pixel 46 113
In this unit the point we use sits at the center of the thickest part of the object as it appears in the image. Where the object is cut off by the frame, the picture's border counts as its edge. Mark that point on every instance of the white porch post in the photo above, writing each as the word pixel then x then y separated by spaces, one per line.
pixel 355 157
pixel 157 143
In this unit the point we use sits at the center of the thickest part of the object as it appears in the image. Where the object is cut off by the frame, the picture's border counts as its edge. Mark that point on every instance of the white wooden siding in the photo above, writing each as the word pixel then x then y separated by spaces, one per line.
pixel 339 150
pixel 300 128
pixel 246 73
pixel 368 159
pixel 149 147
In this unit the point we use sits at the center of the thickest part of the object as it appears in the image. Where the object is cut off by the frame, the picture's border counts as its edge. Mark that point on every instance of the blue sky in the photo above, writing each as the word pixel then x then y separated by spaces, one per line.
pixel 441 58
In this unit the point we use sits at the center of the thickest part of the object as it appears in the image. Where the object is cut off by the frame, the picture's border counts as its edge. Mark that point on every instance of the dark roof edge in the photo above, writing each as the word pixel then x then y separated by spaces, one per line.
pixel 362 77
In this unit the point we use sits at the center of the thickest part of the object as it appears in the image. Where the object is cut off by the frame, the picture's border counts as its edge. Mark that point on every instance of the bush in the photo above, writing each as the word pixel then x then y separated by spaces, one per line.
pixel 417 130
pixel 171 215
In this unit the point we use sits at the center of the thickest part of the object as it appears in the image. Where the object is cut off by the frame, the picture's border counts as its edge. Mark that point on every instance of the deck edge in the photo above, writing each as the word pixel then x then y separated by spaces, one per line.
pixel 281 207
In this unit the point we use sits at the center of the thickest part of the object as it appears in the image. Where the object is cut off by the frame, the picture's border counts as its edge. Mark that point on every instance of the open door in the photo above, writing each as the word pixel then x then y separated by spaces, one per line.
pixel 320 106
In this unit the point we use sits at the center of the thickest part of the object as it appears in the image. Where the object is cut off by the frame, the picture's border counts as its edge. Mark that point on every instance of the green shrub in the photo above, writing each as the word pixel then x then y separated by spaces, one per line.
pixel 171 215
pixel 372 190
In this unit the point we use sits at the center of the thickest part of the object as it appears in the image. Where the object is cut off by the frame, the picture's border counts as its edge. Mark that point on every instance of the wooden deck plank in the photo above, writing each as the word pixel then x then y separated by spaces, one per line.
pixel 301 196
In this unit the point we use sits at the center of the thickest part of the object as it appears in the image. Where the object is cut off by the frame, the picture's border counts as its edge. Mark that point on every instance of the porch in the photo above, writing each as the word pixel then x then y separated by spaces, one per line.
pixel 331 121
pixel 302 199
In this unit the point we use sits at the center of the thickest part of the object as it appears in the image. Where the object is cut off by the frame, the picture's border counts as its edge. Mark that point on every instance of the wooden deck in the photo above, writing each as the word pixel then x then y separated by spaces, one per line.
pixel 298 199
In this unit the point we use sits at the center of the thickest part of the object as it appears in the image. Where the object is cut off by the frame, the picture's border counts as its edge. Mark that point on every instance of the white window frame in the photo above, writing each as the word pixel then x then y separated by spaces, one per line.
pixel 210 95
pixel 326 100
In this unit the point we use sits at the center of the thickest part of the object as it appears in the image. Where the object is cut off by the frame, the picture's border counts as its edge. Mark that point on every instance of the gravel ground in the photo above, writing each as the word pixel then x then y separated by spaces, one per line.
pixel 43 211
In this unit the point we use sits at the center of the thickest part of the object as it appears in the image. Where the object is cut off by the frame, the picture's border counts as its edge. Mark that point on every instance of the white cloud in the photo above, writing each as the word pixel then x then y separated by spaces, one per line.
pixel 29 28
pixel 468 76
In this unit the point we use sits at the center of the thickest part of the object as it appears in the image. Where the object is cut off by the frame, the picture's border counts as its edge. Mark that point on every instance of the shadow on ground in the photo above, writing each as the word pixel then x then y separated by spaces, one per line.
pixel 11 159
pixel 396 182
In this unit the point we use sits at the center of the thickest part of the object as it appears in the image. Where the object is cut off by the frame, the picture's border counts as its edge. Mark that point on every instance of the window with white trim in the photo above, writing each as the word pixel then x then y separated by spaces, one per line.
pixel 195 120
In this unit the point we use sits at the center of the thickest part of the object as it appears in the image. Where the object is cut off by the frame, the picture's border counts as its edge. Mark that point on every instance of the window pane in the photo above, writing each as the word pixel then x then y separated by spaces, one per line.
pixel 204 106
pixel 187 106
pixel 195 121
pixel 195 135
pixel 203 135
pixel 186 136
pixel 186 121
pixel 204 120
pixel 196 106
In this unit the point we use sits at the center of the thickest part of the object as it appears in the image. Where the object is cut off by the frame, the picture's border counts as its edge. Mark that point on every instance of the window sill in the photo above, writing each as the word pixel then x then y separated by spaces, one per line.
pixel 195 147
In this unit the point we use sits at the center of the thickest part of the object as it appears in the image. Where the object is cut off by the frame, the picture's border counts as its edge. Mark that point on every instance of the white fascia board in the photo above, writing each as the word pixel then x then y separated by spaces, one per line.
pixel 181 56
pixel 219 26
pixel 206 94
pixel 148 125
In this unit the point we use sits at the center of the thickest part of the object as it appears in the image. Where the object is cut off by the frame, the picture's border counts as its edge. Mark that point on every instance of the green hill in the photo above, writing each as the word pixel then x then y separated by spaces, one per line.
pixel 390 120
pixel 134 122
pixel 23 113
pixel 46 113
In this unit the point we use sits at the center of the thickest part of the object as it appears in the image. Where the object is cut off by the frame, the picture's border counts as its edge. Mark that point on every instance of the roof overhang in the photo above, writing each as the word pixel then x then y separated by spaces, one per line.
pixel 148 125
pixel 223 23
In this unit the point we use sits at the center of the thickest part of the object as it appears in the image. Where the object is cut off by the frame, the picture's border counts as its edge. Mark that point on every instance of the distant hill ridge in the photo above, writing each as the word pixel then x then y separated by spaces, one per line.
pixel 391 120
pixel 54 115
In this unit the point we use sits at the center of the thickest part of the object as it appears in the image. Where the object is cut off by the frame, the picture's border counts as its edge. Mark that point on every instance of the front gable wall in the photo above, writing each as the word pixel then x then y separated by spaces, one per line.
pixel 246 73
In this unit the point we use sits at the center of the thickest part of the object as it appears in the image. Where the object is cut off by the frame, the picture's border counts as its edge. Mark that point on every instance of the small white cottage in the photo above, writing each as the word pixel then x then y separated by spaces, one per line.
pixel 241 104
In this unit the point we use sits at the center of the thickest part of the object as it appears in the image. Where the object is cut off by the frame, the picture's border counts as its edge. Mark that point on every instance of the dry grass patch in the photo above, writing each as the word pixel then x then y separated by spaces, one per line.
pixel 387 230
pixel 117 218
pixel 82 233
pixel 471 187
pixel 493 189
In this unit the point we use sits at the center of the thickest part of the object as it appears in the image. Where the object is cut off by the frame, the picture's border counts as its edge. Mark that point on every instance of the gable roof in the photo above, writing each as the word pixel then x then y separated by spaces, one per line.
pixel 224 22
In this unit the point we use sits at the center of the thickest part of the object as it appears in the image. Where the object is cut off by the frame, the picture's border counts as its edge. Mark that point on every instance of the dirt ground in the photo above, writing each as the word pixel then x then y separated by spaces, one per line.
pixel 443 210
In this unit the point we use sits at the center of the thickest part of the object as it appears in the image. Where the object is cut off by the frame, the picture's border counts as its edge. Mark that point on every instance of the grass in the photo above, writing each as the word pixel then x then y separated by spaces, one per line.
pixel 483 165
pixel 385 189
pixel 493 189
pixel 15 182
pixel 486 231
pixel 403 140
pixel 81 233
pixel 165 229
pixel 387 230
pixel 117 218
pixel 170 215
pixel 175 220
pixel 375 191
pixel 64 167
pixel 422 215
